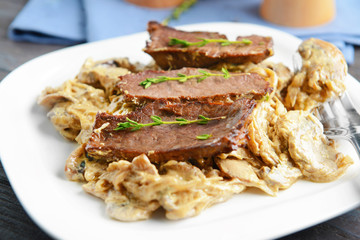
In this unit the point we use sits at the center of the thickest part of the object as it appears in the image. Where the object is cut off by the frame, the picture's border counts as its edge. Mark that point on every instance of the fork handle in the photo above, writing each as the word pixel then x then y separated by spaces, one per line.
pixel 355 140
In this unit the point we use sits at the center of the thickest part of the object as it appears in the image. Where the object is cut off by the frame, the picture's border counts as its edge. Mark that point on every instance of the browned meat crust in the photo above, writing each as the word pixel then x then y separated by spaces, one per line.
pixel 211 89
pixel 175 57
pixel 171 142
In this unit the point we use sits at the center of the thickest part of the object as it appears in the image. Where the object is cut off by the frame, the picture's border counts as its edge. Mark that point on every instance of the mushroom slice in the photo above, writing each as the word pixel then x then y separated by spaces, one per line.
pixel 243 171
pixel 309 148
pixel 263 141
pixel 321 77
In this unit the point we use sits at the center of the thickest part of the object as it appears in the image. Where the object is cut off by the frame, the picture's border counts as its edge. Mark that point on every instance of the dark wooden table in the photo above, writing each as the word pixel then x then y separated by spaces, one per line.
pixel 15 223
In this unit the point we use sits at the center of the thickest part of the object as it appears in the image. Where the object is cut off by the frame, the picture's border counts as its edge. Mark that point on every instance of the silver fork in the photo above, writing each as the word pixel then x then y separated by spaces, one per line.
pixel 339 117
pixel 341 120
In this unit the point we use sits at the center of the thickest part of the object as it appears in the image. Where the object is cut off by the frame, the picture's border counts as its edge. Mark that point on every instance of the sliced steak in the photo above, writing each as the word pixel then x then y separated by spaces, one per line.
pixel 211 89
pixel 177 56
pixel 166 142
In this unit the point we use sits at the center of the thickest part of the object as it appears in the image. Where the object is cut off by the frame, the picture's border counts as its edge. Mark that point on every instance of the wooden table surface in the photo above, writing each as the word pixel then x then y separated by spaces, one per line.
pixel 15 223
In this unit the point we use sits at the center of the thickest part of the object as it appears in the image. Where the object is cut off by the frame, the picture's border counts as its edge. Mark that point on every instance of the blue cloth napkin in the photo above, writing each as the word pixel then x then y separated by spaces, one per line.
pixel 74 21
pixel 50 22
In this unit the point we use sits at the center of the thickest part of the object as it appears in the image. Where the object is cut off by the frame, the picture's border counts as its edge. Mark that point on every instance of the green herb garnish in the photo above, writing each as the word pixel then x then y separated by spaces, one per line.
pixel 183 7
pixel 183 78
pixel 204 136
pixel 134 126
pixel 265 98
pixel 204 41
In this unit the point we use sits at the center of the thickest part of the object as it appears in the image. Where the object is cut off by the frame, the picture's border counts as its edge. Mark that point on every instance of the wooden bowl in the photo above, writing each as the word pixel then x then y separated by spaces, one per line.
pixel 156 3
pixel 298 13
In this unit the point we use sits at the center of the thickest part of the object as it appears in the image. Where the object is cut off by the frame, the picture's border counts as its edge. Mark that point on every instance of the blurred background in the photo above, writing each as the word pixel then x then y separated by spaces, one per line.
pixel 32 28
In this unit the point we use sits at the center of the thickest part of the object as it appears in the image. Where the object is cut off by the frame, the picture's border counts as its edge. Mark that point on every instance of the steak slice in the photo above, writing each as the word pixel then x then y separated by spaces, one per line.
pixel 177 56
pixel 211 89
pixel 171 142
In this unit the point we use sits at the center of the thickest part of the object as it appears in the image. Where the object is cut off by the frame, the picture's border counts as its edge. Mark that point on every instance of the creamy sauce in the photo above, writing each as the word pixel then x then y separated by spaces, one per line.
pixel 284 144
pixel 321 77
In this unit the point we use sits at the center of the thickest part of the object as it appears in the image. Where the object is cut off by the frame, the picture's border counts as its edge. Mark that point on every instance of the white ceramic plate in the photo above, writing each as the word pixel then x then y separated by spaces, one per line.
pixel 33 155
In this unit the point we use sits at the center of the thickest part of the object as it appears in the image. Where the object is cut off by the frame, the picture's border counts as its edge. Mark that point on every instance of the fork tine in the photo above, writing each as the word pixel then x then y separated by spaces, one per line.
pixel 326 116
pixel 348 104
pixel 324 111
pixel 338 109
pixel 341 120
pixel 352 113
pixel 340 114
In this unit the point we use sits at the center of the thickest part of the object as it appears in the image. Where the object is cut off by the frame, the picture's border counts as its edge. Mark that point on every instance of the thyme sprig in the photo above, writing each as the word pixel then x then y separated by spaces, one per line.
pixel 183 7
pixel 134 126
pixel 265 98
pixel 204 41
pixel 203 136
pixel 183 78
